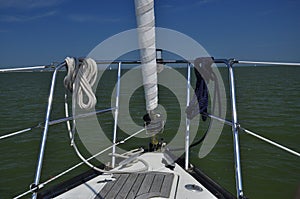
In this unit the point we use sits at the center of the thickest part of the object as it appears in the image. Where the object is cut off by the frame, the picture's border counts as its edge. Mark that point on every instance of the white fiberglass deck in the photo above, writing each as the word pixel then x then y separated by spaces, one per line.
pixel 157 182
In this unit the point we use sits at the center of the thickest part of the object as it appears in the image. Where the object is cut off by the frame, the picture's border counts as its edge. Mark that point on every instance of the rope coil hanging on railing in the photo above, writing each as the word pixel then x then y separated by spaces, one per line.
pixel 80 80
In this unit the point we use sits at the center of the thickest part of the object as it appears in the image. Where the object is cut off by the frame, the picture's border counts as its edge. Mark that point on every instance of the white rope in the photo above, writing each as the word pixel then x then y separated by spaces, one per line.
pixel 86 161
pixel 67 115
pixel 81 80
pixel 71 131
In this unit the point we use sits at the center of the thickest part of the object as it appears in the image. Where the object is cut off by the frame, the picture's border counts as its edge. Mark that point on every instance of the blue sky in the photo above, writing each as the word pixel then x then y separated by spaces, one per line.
pixel 34 32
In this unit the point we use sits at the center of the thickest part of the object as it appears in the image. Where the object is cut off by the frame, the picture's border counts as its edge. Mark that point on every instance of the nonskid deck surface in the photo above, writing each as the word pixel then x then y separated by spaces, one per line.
pixel 157 182
pixel 138 185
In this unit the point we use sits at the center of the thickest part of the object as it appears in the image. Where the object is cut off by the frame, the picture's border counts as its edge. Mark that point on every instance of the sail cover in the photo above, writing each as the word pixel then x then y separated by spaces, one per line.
pixel 146 36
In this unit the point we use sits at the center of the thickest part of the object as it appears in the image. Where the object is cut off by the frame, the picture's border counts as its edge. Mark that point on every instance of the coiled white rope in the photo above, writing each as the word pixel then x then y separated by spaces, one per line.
pixel 80 79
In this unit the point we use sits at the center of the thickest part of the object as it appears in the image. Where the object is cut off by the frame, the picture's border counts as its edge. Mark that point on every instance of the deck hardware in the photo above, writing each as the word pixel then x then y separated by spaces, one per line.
pixel 193 187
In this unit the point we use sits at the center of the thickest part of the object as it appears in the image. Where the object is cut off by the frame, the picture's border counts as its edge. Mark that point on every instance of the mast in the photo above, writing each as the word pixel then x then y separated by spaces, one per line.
pixel 146 37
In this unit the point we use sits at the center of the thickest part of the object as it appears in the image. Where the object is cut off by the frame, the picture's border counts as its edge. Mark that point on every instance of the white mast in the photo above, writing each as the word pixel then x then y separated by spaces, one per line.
pixel 146 37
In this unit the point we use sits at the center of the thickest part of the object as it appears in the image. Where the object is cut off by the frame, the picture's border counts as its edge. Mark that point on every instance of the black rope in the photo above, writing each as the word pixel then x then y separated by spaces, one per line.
pixel 202 138
pixel 199 103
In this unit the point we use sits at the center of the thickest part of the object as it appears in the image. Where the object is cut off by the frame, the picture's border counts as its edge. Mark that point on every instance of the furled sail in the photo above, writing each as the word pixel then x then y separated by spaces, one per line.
pixel 146 37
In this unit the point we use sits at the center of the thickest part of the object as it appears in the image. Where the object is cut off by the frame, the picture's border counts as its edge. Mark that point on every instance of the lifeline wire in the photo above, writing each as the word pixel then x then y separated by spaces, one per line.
pixel 270 142
pixel 244 130
pixel 53 122
pixel 16 133
pixel 41 185
pixel 256 135
pixel 23 68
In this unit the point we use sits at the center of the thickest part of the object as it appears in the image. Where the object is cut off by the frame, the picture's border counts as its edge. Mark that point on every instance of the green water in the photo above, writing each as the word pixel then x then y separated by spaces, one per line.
pixel 267 102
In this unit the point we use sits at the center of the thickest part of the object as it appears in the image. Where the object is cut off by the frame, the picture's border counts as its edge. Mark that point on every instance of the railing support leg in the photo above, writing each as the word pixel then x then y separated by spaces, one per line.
pixel 45 132
pixel 113 160
pixel 187 133
pixel 238 172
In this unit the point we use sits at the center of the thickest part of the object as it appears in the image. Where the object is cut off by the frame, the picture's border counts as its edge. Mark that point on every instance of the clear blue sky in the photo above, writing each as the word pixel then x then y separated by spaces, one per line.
pixel 42 31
